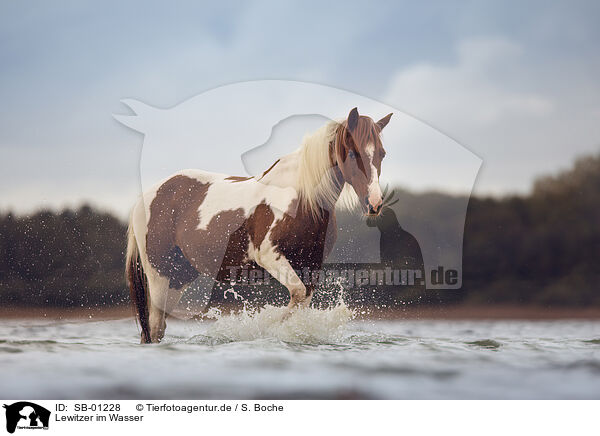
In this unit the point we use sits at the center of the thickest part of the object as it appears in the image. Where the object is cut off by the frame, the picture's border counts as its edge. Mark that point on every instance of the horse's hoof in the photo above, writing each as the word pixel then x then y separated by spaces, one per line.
pixel 289 312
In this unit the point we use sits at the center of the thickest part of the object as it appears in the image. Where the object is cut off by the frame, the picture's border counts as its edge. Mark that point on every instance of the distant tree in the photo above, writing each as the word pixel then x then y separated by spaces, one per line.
pixel 542 248
pixel 69 258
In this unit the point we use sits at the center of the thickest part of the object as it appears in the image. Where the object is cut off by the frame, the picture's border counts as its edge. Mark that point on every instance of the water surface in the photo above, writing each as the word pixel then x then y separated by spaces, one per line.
pixel 315 354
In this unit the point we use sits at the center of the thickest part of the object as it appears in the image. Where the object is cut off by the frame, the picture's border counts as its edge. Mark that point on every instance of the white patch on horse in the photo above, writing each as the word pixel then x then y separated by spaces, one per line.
pixel 279 267
pixel 374 190
pixel 222 196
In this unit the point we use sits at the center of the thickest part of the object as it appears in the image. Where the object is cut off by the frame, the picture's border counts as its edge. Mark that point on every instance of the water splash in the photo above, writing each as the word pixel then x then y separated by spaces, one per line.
pixel 231 291
pixel 303 325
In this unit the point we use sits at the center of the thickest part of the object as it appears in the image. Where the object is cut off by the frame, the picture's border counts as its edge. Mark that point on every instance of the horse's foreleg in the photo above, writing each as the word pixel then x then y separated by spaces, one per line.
pixel 279 267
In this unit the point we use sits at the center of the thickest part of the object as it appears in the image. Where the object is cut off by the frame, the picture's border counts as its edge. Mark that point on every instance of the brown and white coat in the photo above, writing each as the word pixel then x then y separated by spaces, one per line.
pixel 283 221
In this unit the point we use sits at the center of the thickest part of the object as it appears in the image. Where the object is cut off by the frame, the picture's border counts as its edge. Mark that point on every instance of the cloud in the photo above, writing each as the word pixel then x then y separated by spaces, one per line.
pixel 464 94
pixel 528 102
pixel 513 111
pixel 188 134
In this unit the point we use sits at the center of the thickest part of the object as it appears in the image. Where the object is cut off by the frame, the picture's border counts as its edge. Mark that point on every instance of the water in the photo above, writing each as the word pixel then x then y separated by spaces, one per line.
pixel 312 354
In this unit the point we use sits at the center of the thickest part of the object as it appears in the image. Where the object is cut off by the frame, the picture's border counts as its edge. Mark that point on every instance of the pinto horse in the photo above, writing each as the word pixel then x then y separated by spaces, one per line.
pixel 283 221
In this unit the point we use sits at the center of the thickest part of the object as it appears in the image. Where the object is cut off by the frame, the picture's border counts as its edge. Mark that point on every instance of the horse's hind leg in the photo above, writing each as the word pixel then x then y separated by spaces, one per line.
pixel 163 300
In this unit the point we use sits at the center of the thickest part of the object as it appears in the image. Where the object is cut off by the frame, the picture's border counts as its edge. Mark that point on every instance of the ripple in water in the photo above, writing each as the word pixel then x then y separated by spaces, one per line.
pixel 309 354
pixel 489 344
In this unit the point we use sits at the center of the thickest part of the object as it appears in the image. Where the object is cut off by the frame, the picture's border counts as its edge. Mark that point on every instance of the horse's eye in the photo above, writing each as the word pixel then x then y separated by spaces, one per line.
pixel 351 154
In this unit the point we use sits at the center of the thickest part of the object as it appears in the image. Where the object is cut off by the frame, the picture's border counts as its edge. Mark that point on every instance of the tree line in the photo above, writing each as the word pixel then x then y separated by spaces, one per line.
pixel 541 248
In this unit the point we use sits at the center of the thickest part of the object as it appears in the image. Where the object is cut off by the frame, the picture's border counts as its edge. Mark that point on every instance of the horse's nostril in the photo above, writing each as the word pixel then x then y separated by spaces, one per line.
pixel 374 210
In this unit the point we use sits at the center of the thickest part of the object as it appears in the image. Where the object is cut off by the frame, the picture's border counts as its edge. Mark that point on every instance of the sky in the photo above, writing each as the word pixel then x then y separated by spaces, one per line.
pixel 513 82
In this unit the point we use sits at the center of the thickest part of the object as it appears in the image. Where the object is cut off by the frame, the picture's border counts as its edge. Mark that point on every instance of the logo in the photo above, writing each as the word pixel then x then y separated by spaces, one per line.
pixel 26 415
pixel 244 129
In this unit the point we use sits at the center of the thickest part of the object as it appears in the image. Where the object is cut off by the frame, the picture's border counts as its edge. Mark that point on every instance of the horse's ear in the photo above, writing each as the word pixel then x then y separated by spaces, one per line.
pixel 384 121
pixel 353 119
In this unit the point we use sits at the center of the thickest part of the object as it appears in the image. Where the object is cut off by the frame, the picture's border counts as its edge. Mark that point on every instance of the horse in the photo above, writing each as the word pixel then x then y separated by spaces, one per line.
pixel 283 221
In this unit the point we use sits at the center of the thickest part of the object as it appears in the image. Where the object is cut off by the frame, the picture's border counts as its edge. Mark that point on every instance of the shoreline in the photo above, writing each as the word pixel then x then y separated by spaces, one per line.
pixel 451 312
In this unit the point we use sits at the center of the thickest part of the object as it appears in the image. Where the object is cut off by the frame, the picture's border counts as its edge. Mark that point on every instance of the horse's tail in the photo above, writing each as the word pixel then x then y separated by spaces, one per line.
pixel 138 284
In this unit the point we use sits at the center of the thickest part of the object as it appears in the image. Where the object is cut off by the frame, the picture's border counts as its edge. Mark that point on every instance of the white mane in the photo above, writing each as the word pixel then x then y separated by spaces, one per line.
pixel 316 183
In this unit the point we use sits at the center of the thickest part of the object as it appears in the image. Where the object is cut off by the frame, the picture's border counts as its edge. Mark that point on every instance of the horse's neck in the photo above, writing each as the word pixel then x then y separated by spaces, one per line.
pixel 285 174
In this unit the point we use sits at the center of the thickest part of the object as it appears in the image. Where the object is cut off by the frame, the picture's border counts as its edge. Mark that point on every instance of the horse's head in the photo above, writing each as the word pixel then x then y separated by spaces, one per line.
pixel 358 154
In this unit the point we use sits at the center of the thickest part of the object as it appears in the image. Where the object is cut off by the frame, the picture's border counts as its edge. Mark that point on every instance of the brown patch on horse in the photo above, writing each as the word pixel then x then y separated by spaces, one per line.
pixel 206 248
pixel 305 240
pixel 253 229
pixel 236 179
pixel 365 132
pixel 179 250
pixel 258 223
pixel 168 210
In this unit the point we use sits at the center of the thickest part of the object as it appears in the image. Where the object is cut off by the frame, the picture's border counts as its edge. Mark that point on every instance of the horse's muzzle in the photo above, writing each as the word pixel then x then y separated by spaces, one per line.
pixel 373 211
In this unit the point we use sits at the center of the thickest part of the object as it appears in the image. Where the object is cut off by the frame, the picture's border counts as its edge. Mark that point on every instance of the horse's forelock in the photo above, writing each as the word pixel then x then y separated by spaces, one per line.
pixel 365 132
